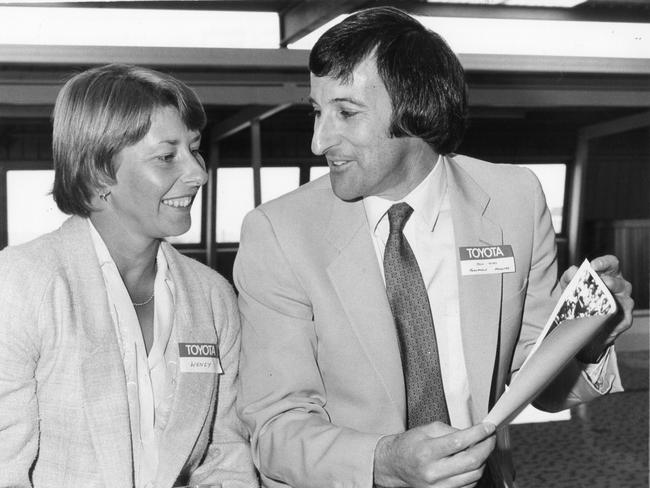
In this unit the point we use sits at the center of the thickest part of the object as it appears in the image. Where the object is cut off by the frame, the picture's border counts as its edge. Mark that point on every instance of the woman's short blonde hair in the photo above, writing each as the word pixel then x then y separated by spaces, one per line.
pixel 98 113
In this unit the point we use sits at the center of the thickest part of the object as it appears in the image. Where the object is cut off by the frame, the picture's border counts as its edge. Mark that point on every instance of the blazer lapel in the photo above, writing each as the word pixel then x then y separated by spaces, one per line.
pixel 195 392
pixel 480 295
pixel 356 278
pixel 102 372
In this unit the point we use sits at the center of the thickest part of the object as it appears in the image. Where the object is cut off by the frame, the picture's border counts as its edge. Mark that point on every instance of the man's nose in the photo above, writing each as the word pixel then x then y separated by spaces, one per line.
pixel 325 136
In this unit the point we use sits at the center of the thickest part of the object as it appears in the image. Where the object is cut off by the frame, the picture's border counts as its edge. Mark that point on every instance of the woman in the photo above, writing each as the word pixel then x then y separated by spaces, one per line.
pixel 118 355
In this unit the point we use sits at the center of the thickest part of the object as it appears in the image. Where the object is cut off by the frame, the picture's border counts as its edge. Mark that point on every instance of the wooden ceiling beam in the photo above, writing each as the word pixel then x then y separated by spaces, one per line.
pixel 259 62
pixel 244 118
pixel 309 15
pixel 177 57
pixel 623 124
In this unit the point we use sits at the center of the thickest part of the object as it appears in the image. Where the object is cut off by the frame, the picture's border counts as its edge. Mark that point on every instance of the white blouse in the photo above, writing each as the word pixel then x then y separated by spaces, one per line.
pixel 150 379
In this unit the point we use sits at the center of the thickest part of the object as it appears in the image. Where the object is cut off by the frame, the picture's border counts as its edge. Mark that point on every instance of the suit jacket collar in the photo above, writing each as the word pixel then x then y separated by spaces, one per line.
pixel 103 379
pixel 479 295
pixel 357 280
pixel 356 277
pixel 195 392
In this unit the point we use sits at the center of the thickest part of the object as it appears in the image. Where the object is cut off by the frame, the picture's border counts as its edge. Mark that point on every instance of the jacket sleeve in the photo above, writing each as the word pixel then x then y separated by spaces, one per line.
pixel 19 300
pixel 228 459
pixel 572 386
pixel 282 397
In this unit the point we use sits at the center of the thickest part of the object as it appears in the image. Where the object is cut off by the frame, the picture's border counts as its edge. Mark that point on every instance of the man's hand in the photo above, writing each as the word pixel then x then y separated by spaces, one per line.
pixel 608 269
pixel 433 455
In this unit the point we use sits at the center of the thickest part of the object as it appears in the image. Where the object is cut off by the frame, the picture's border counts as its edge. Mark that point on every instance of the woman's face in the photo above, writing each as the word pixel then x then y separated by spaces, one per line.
pixel 157 179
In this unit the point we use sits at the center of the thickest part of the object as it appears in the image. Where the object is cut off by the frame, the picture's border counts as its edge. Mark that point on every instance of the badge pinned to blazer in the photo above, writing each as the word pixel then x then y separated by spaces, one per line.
pixel 199 358
pixel 481 260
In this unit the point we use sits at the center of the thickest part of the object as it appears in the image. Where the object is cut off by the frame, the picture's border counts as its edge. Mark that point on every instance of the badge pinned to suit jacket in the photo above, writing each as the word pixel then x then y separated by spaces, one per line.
pixel 199 358
pixel 481 260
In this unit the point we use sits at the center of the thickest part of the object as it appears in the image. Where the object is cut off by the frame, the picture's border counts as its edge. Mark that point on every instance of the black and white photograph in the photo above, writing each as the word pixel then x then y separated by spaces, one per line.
pixel 318 243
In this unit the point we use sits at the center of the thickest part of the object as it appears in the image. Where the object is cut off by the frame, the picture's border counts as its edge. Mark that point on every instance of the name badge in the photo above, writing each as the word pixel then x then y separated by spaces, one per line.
pixel 486 260
pixel 199 358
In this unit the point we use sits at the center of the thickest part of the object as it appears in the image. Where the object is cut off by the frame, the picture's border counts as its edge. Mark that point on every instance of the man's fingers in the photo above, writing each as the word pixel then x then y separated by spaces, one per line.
pixel 606 265
pixel 617 284
pixel 464 467
pixel 437 429
pixel 567 276
pixel 623 317
pixel 463 439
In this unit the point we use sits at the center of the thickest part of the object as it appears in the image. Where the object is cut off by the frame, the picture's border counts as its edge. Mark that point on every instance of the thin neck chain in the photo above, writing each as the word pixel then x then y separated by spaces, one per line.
pixel 142 304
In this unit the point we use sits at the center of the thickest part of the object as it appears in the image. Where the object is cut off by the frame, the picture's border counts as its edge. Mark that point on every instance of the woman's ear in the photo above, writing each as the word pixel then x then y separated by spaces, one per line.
pixel 101 197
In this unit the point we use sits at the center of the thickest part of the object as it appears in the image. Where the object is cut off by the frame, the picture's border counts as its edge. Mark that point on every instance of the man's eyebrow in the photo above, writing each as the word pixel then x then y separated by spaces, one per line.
pixel 171 142
pixel 353 101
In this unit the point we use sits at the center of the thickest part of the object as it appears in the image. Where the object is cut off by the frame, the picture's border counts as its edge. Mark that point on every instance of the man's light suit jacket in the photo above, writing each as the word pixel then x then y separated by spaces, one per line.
pixel 64 419
pixel 321 377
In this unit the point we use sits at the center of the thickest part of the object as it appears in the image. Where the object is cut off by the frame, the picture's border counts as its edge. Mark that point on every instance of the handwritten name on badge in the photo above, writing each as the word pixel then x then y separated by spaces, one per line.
pixel 199 358
pixel 486 260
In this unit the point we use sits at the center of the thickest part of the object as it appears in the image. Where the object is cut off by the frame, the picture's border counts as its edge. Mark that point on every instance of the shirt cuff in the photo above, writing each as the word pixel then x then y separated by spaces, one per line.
pixel 604 375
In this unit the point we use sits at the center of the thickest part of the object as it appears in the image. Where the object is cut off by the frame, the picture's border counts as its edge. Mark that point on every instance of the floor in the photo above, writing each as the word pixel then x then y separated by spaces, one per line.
pixel 604 445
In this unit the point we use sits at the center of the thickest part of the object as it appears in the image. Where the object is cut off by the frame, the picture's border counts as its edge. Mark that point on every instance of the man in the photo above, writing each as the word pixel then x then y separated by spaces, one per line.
pixel 368 357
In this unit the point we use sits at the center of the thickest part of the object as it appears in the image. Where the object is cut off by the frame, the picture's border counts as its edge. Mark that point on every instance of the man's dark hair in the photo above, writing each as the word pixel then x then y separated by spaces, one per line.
pixel 423 77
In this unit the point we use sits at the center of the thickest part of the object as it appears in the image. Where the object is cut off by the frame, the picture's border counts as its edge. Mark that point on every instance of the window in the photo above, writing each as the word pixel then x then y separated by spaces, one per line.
pixel 494 36
pixel 31 210
pixel 278 181
pixel 234 201
pixel 317 171
pixel 235 195
pixel 138 27
pixel 552 178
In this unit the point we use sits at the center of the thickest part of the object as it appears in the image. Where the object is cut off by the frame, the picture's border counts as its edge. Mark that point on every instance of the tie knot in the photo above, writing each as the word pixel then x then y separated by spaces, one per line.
pixel 398 214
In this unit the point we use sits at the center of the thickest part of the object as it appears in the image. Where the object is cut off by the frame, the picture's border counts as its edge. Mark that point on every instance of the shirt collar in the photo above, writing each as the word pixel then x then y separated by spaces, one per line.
pixel 425 199
pixel 104 256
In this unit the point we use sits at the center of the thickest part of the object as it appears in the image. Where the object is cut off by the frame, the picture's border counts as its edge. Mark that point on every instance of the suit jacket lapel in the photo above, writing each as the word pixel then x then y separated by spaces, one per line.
pixel 195 392
pixel 480 295
pixel 357 279
pixel 102 372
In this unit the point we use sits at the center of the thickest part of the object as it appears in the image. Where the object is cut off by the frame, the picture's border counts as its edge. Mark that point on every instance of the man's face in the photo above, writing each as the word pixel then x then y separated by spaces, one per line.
pixel 351 129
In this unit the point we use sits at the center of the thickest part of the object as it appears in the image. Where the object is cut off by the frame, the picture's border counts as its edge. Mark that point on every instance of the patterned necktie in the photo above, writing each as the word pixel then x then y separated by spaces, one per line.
pixel 409 302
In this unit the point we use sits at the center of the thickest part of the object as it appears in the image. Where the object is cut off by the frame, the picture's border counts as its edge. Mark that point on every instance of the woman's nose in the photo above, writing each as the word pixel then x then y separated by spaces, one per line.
pixel 195 172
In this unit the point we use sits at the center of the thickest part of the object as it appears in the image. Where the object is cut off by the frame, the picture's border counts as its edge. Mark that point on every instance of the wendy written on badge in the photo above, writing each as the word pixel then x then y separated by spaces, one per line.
pixel 583 309
pixel 199 358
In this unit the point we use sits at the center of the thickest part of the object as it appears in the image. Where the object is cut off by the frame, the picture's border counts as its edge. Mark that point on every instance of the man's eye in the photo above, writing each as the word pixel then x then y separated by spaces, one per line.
pixel 167 157
pixel 314 113
pixel 346 114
